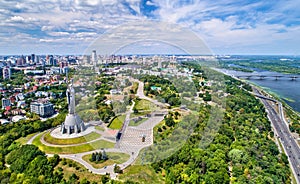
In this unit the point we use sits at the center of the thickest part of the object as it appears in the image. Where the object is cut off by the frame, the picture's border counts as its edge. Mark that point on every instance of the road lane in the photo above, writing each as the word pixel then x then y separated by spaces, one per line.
pixel 281 130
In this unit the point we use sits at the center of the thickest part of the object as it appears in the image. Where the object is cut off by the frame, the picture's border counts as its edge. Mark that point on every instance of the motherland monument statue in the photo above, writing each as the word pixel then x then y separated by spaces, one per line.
pixel 72 123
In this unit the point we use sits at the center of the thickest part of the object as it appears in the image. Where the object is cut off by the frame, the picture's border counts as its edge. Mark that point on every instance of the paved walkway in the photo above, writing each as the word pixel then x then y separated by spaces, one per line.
pixel 56 132
pixel 70 145
pixel 140 94
pixel 32 138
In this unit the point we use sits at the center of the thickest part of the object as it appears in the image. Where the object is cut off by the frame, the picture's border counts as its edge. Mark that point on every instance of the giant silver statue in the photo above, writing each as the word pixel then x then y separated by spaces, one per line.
pixel 73 123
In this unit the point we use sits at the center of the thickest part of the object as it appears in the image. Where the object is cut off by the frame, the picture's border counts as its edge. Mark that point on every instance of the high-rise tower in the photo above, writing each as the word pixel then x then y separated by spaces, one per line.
pixel 6 72
pixel 159 62
pixel 94 58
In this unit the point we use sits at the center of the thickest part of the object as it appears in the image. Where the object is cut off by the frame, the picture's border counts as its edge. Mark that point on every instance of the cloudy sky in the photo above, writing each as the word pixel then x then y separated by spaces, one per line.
pixel 227 26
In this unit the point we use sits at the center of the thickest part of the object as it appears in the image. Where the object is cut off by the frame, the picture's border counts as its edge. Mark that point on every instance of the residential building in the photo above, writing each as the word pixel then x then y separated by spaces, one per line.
pixel 63 64
pixel 34 72
pixel 42 109
pixel 20 96
pixel 55 70
pixel 21 104
pixel 12 99
pixel 16 111
pixel 94 58
pixel 6 72
pixel 21 61
pixel 33 58
pixel 5 103
pixel 17 118
pixel 4 121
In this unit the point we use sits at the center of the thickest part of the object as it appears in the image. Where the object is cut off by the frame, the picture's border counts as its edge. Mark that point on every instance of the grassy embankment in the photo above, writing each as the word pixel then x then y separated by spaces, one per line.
pixel 143 107
pixel 24 140
pixel 117 122
pixel 72 149
pixel 99 128
pixel 70 167
pixel 133 173
pixel 136 123
pixel 89 137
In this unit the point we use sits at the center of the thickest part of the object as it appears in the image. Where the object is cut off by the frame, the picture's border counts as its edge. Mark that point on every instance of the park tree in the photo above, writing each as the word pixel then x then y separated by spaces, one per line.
pixel 98 157
pixel 135 110
pixel 20 158
pixel 169 121
pixel 235 155
pixel 84 181
pixel 93 157
pixel 105 179
pixel 104 155
pixel 117 169
pixel 54 160
pixel 73 178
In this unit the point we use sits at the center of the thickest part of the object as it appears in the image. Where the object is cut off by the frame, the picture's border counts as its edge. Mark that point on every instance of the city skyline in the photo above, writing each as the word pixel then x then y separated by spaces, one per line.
pixel 69 27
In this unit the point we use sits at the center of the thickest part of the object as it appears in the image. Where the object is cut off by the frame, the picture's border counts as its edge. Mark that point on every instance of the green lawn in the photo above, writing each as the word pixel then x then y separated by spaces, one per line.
pixel 132 123
pixel 117 122
pixel 24 140
pixel 141 174
pixel 72 149
pixel 77 169
pixel 114 158
pixel 145 105
pixel 140 113
pixel 99 128
pixel 89 137
pixel 158 136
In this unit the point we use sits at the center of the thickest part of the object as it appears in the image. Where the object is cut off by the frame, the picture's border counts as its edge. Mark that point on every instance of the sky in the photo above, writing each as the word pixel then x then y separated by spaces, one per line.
pixel 226 27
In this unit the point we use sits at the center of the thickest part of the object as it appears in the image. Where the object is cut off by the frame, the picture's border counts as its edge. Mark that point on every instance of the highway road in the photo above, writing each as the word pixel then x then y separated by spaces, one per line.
pixel 283 133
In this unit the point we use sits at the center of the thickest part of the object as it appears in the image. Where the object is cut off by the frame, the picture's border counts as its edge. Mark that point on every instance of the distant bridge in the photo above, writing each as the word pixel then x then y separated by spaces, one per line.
pixel 264 97
pixel 261 77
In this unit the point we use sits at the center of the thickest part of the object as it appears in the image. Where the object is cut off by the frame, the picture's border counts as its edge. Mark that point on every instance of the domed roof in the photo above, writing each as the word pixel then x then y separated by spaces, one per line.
pixel 72 120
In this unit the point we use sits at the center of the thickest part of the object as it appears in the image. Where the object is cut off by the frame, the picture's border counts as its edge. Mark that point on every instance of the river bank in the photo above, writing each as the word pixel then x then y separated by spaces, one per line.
pixel 280 85
pixel 291 115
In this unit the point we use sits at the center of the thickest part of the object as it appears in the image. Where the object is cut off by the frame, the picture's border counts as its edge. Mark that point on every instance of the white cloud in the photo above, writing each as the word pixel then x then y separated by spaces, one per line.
pixel 58 33
pixel 223 34
pixel 149 3
pixel 16 19
pixel 47 28
pixel 221 23
pixel 21 19
pixel 149 32
pixel 47 40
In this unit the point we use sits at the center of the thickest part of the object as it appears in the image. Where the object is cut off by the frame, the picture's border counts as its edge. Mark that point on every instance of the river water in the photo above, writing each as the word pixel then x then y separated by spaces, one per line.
pixel 284 87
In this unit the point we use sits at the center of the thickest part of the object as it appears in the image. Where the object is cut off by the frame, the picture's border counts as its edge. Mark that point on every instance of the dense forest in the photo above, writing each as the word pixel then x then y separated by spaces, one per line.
pixel 242 150
pixel 26 162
